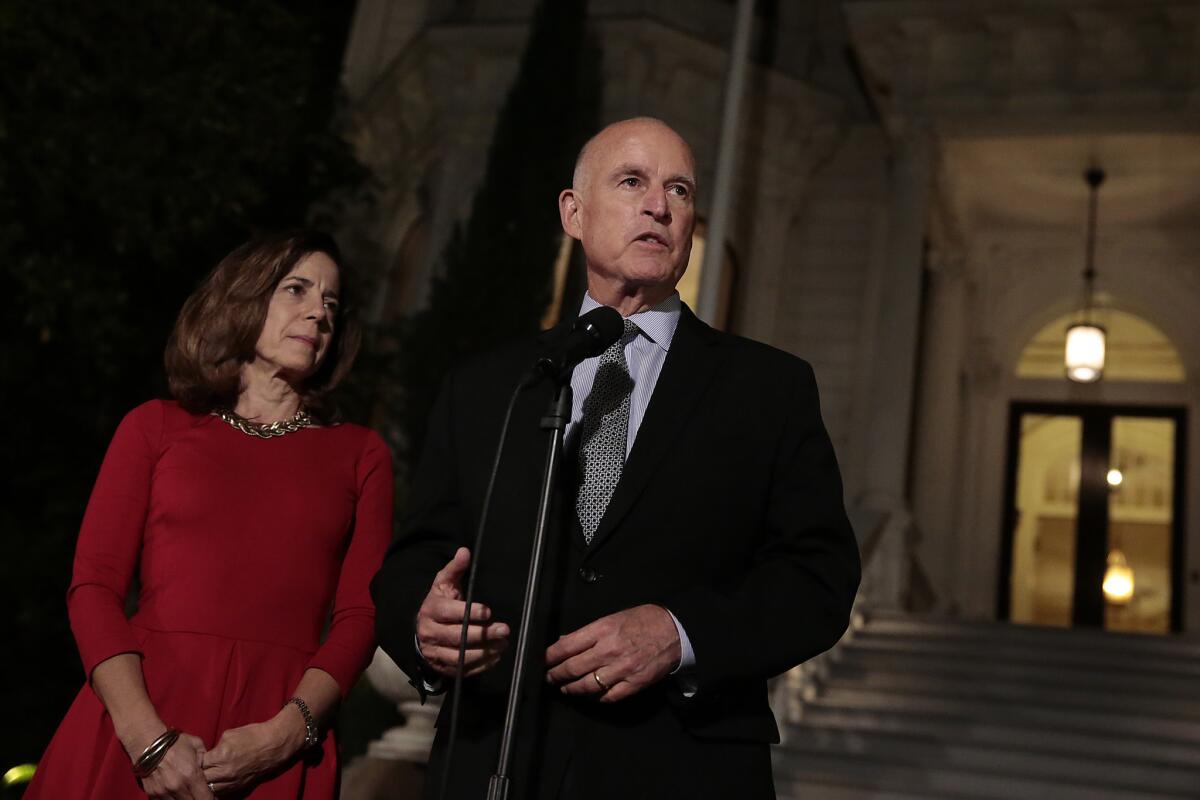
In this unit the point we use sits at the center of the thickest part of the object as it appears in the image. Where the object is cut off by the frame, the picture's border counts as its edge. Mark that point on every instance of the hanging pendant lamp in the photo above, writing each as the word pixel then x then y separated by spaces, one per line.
pixel 1086 339
pixel 1118 579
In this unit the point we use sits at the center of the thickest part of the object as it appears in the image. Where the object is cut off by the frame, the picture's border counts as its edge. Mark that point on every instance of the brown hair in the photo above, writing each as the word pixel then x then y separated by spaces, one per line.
pixel 219 325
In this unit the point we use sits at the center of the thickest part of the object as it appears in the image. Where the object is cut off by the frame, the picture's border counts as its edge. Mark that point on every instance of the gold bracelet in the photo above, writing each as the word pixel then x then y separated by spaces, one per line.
pixel 150 758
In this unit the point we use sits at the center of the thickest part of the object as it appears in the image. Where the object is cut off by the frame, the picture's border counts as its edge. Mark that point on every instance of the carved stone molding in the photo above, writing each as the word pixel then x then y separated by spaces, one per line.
pixel 958 61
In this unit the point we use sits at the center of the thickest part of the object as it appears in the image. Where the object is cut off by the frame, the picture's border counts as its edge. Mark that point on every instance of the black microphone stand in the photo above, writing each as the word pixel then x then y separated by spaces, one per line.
pixel 555 420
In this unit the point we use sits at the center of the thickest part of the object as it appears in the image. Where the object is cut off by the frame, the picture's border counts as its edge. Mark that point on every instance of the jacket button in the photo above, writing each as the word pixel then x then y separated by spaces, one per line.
pixel 589 574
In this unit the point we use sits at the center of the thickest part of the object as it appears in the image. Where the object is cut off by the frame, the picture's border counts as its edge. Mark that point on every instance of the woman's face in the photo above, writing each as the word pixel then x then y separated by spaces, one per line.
pixel 300 318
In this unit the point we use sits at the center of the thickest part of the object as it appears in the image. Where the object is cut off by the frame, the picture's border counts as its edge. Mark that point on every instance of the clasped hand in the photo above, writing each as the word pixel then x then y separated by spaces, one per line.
pixel 178 775
pixel 250 753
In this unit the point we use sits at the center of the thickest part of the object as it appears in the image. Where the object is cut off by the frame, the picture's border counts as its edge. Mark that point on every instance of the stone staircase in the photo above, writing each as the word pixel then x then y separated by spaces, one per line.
pixel 914 709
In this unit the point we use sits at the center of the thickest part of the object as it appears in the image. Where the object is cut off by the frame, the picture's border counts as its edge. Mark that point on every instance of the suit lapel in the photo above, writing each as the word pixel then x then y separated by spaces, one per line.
pixel 689 367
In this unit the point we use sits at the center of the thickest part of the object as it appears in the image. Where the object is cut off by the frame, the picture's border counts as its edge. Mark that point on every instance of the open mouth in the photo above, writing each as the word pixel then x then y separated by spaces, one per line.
pixel 654 239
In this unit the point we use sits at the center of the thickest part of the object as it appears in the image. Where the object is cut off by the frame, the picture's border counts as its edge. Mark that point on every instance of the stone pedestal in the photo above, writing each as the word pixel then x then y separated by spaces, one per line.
pixel 394 766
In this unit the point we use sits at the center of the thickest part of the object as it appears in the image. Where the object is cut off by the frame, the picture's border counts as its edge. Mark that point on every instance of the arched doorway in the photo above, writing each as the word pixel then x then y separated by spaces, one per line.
pixel 1002 279
pixel 1093 523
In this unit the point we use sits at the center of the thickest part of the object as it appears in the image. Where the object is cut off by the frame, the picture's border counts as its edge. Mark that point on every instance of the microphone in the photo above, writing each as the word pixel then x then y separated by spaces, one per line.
pixel 590 336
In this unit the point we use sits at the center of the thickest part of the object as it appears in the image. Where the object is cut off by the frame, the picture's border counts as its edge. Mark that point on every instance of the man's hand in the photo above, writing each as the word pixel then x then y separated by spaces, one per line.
pixel 616 656
pixel 439 625
pixel 249 753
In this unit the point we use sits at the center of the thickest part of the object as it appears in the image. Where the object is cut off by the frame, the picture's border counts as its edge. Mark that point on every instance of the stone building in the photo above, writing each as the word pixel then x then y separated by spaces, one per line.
pixel 910 216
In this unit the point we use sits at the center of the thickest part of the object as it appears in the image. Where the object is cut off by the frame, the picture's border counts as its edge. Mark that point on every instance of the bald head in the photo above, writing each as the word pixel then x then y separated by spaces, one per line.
pixel 612 135
pixel 632 207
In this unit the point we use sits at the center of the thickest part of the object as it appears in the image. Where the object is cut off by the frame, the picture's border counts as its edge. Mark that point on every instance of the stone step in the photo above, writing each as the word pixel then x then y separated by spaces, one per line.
pixel 928 751
pixel 800 789
pixel 1125 658
pixel 1116 699
pixel 1184 645
pixel 1128 726
pixel 984 670
pixel 796 770
pixel 1132 664
pixel 984 731
pixel 933 708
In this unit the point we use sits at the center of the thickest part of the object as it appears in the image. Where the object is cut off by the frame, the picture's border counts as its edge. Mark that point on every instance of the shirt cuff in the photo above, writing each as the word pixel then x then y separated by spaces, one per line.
pixel 438 684
pixel 687 660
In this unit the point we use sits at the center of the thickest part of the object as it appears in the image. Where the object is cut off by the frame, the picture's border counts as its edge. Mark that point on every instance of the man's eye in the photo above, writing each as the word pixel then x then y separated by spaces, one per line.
pixel 630 182
pixel 680 190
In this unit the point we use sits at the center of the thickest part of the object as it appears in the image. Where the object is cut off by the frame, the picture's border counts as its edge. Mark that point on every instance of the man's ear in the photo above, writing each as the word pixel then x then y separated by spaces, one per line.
pixel 568 213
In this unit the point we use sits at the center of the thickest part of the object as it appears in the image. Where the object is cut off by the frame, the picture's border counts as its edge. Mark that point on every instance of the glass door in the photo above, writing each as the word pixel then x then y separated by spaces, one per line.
pixel 1047 497
pixel 1092 522
pixel 1141 502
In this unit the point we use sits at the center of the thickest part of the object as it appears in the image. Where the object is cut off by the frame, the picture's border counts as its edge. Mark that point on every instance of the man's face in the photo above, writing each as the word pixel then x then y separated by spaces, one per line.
pixel 634 212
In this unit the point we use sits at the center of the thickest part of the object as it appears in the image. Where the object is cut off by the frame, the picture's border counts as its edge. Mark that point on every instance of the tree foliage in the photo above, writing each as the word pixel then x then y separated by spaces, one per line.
pixel 497 269
pixel 139 142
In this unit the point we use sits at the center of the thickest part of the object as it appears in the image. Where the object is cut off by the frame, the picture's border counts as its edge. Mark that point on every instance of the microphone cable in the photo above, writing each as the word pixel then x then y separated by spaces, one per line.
pixel 526 382
pixel 595 330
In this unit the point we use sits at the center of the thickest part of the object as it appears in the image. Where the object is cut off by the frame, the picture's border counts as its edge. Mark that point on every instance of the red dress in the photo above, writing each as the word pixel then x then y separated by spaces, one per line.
pixel 243 547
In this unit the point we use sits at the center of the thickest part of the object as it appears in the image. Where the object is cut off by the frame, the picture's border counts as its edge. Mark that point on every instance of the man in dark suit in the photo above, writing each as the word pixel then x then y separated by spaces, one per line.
pixel 699 542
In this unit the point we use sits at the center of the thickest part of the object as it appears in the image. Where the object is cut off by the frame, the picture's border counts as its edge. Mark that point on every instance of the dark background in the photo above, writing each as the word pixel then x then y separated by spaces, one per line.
pixel 140 142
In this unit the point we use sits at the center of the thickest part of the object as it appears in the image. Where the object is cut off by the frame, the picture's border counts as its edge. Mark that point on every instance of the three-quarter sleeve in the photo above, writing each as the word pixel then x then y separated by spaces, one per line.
pixel 351 641
pixel 110 539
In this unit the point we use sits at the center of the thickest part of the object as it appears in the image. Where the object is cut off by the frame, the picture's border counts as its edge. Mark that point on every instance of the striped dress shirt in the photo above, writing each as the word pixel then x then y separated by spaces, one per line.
pixel 644 353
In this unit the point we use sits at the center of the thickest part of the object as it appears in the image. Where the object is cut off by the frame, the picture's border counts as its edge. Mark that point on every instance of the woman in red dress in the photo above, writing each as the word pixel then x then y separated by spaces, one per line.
pixel 254 523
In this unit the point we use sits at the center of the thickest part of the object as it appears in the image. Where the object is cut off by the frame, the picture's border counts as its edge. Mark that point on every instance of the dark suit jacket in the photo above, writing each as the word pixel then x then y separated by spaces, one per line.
pixel 729 513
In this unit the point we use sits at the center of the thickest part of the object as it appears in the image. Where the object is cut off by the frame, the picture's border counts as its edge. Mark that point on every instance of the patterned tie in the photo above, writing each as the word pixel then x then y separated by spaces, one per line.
pixel 604 431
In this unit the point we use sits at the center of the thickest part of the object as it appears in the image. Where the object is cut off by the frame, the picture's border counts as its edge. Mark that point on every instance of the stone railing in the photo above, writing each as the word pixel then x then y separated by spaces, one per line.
pixel 394 764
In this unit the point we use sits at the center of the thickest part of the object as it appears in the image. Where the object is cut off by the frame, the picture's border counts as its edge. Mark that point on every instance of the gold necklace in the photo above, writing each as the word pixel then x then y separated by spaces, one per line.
pixel 299 420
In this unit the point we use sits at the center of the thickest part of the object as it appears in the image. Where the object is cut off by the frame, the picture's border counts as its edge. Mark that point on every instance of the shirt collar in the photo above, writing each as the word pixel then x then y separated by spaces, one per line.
pixel 657 323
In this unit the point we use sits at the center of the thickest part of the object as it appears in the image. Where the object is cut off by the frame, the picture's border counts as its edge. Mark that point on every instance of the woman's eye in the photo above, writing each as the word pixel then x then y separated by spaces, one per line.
pixel 294 288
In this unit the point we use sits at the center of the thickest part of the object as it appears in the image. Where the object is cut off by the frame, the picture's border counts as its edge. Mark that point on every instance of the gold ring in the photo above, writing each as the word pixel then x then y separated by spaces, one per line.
pixel 604 687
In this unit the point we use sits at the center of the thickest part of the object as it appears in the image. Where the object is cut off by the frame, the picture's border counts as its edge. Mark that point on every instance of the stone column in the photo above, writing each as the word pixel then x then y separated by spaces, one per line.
pixel 937 483
pixel 727 148
pixel 888 431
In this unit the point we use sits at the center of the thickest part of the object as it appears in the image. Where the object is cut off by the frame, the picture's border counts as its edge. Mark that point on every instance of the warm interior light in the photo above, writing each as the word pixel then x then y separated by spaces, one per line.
pixel 1118 579
pixel 1085 353
pixel 1114 477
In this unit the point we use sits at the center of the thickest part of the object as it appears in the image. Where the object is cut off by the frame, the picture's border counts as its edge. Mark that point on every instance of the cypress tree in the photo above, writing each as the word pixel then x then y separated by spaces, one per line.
pixel 497 269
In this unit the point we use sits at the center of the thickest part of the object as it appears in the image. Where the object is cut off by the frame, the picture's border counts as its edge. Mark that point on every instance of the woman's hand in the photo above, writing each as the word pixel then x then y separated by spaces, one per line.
pixel 118 683
pixel 179 776
pixel 245 755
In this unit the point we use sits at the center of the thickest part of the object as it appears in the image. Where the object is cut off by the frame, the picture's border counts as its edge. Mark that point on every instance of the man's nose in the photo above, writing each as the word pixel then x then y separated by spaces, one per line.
pixel 655 204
